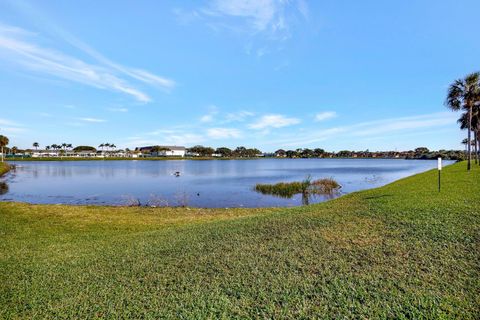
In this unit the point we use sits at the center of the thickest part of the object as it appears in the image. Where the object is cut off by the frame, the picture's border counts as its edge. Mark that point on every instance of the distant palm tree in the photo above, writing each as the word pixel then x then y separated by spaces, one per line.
pixel 463 95
pixel 3 143
pixel 54 146
pixel 100 146
pixel 36 145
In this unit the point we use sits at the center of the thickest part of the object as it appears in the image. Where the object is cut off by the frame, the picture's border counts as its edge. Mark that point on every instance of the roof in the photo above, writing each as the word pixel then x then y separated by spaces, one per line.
pixel 172 148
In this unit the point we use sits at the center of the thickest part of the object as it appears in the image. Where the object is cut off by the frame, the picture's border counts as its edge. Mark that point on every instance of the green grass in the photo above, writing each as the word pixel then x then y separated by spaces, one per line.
pixel 402 251
pixel 4 168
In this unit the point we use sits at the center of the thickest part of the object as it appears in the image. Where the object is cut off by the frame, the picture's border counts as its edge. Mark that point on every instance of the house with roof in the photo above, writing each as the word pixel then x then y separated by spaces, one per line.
pixel 163 151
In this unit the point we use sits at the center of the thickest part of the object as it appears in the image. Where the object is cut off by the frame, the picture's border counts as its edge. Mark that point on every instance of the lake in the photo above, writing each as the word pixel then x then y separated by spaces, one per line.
pixel 202 183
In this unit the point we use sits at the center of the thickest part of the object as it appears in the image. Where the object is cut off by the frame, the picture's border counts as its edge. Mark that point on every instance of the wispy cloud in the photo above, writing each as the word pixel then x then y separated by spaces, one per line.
pixel 322 116
pixel 373 128
pixel 184 139
pixel 259 16
pixel 273 121
pixel 238 116
pixel 210 116
pixel 118 109
pixel 223 133
pixel 22 48
pixel 92 120
pixel 11 127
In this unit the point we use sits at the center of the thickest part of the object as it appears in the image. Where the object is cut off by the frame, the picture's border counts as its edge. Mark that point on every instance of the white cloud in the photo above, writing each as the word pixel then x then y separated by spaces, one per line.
pixel 270 17
pixel 238 116
pixel 10 127
pixel 223 133
pixel 382 127
pixel 321 116
pixel 206 118
pixel 6 122
pixel 21 49
pixel 210 116
pixel 118 109
pixel 92 120
pixel 183 139
pixel 273 121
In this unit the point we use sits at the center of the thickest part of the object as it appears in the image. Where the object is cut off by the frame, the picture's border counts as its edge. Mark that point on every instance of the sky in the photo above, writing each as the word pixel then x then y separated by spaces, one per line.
pixel 269 74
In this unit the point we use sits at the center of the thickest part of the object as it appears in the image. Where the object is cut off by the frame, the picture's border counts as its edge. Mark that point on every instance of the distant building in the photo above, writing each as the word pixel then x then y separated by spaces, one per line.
pixel 163 151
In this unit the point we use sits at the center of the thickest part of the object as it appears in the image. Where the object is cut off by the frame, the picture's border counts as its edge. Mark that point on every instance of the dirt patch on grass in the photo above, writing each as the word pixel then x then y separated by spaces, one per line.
pixel 356 231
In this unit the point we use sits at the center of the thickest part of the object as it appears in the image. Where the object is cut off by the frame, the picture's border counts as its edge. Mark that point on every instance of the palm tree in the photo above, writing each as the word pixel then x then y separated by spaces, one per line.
pixel 463 95
pixel 100 146
pixel 36 145
pixel 475 125
pixel 54 146
pixel 3 143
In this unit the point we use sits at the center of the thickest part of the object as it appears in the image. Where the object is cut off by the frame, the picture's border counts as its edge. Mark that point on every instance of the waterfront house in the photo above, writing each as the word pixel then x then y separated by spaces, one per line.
pixel 162 151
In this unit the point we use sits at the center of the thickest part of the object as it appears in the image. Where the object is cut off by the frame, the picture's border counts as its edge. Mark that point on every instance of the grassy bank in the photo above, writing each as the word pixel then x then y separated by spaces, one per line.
pixel 4 168
pixel 400 251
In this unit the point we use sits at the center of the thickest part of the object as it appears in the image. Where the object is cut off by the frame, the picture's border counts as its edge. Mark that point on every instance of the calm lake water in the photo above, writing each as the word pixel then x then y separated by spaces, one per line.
pixel 209 183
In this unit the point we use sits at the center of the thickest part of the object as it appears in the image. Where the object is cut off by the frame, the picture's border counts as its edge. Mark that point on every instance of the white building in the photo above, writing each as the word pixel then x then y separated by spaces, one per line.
pixel 163 151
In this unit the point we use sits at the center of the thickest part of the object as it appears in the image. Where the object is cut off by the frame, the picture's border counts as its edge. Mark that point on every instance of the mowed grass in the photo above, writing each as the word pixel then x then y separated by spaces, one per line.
pixel 402 251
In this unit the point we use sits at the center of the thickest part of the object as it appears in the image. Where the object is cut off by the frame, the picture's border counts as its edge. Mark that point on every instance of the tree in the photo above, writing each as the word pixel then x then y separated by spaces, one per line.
pixel 3 143
pixel 224 151
pixel 202 151
pixel 240 151
pixel 318 152
pixel 464 94
pixel 475 125
pixel 36 145
pixel 84 148
pixel 101 146
pixel 291 153
pixel 280 153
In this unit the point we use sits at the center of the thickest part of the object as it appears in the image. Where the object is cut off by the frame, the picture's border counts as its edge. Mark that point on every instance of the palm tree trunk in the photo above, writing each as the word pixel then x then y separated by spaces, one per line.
pixel 2 154
pixel 469 138
pixel 476 144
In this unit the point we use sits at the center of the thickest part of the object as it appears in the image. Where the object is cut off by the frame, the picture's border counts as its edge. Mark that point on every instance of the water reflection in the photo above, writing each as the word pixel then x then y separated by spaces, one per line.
pixel 3 188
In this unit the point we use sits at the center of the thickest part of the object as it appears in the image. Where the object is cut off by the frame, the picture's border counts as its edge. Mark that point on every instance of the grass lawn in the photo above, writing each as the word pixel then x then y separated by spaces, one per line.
pixel 402 251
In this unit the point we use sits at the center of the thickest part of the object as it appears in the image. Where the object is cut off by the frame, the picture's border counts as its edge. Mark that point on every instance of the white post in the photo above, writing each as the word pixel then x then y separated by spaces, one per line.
pixel 439 166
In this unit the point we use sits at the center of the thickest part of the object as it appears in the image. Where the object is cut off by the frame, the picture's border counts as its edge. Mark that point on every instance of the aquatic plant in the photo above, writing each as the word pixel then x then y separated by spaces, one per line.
pixel 307 187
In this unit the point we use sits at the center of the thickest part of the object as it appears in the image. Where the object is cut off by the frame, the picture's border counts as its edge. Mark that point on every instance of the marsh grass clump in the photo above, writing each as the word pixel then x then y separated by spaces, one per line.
pixel 307 187
pixel 282 189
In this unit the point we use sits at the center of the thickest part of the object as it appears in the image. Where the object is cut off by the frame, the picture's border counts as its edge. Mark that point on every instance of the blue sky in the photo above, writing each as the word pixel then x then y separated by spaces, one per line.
pixel 259 73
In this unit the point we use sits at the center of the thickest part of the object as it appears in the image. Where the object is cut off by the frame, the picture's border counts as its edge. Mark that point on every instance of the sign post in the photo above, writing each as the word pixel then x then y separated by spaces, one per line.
pixel 439 164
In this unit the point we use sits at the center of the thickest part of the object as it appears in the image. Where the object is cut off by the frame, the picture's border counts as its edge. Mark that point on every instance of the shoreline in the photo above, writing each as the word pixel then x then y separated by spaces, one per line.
pixel 203 159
